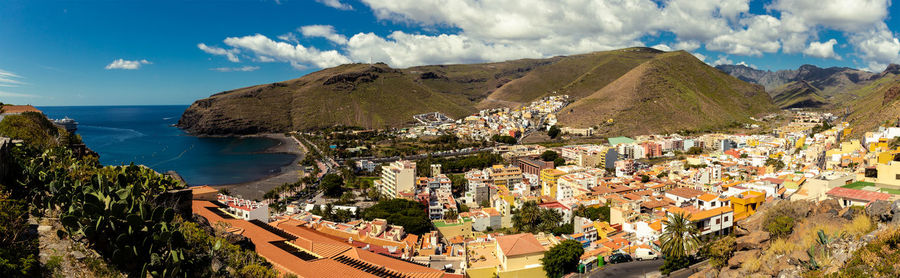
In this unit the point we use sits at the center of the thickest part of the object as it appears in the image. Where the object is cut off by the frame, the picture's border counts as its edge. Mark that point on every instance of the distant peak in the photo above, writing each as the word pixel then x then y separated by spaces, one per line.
pixel 808 67
pixel 892 68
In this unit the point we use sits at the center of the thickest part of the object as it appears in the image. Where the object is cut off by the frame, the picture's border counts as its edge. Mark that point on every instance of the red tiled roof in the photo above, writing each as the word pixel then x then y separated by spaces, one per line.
pixel 685 192
pixel 856 194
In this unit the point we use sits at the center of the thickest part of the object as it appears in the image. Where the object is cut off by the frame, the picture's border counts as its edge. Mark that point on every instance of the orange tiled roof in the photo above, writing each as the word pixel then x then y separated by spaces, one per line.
pixel 707 197
pixel 203 189
pixel 329 249
pixel 519 244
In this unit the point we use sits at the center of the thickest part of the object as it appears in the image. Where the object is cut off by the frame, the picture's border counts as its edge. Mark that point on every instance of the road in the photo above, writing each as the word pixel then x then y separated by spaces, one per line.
pixel 422 156
pixel 637 269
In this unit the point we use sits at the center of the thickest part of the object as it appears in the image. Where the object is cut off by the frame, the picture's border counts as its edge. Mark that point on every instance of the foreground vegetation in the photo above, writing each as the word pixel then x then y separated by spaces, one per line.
pixel 123 213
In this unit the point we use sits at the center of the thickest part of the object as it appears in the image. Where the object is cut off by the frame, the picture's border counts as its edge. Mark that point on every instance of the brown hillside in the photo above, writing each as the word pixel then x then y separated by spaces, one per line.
pixel 877 104
pixel 376 96
pixel 577 76
pixel 671 92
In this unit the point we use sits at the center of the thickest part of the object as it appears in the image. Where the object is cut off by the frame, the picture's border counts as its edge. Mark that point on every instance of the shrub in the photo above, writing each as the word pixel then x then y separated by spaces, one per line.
pixel 781 226
pixel 719 251
pixel 674 263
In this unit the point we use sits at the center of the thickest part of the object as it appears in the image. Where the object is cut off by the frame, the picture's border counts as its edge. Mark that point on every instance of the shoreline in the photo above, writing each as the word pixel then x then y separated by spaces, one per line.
pixel 288 173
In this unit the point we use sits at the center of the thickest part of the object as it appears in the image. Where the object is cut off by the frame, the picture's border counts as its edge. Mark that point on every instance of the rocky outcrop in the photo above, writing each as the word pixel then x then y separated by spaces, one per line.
pixel 757 254
pixel 880 210
pixel 754 240
pixel 741 257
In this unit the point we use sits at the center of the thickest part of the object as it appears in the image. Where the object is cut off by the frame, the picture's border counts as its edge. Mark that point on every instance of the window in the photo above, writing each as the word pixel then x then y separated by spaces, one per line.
pixel 726 218
pixel 897 176
pixel 713 204
pixel 718 221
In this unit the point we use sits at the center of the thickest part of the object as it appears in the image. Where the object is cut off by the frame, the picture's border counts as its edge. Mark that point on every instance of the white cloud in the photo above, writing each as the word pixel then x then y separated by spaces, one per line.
pixel 400 49
pixel 324 31
pixel 230 53
pixel 878 46
pixel 244 68
pixel 336 4
pixel 509 29
pixel 687 45
pixel 822 49
pixel 662 47
pixel 15 95
pixel 126 64
pixel 742 63
pixel 723 60
pixel 760 36
pixel 297 55
pixel 9 79
pixel 700 56
pixel 289 37
pixel 846 15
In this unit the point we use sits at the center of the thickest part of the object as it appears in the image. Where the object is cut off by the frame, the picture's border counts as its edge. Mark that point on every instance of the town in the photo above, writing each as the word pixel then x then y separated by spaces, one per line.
pixel 615 199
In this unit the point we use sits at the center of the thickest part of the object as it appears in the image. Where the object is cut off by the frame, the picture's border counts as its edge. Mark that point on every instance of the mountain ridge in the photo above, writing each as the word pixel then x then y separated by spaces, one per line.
pixel 378 96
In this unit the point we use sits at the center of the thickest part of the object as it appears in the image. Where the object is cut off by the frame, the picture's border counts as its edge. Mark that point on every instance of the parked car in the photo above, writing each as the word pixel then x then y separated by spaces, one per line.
pixel 620 258
pixel 645 254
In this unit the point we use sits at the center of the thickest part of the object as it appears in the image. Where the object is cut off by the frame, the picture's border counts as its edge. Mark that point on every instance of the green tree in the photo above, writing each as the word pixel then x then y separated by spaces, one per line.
pixel 562 259
pixel 451 215
pixel 559 161
pixel 505 139
pixel 777 163
pixel 458 184
pixel 411 215
pixel 694 150
pixel 553 132
pixel 531 218
pixel 332 185
pixel 679 239
pixel 549 155
pixel 645 178
pixel 593 213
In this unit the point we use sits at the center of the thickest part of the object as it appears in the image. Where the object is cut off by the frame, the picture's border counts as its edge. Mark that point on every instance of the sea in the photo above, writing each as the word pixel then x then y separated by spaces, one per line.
pixel 145 135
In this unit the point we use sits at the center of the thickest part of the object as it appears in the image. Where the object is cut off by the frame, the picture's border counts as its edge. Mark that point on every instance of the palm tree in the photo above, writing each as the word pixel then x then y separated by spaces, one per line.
pixel 679 237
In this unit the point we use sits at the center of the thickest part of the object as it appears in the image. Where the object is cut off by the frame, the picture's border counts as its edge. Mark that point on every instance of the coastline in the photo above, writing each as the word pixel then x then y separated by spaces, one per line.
pixel 289 173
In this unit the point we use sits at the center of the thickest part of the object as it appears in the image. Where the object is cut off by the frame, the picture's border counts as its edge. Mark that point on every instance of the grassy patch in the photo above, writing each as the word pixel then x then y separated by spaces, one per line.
pixel 858 185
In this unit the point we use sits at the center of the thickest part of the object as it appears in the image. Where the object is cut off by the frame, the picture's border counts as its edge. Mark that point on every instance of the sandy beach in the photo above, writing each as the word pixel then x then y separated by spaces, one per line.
pixel 289 173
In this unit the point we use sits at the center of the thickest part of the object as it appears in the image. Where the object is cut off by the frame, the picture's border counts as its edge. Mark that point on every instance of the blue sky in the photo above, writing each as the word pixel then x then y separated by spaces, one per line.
pixel 166 52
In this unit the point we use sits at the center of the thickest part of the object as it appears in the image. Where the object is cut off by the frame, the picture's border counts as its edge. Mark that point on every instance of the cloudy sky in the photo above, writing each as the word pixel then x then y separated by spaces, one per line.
pixel 164 52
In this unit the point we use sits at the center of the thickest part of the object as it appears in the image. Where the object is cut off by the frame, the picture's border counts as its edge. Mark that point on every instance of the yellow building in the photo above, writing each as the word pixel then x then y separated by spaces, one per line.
pixel 746 204
pixel 549 178
pixel 520 256
pixel 506 176
pixel 888 173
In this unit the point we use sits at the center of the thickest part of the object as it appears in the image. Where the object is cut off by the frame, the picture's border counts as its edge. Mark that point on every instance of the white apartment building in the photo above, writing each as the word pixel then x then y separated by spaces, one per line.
pixel 397 177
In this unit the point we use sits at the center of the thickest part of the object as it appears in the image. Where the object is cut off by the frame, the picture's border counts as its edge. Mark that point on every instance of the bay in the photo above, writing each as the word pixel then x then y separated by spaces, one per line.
pixel 145 135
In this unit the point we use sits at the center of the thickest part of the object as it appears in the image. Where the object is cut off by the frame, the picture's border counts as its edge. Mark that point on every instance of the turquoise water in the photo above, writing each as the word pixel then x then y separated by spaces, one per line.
pixel 145 135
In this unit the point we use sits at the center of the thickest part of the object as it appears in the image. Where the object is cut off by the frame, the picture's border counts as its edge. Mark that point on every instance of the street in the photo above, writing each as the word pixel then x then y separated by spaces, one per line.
pixel 636 269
